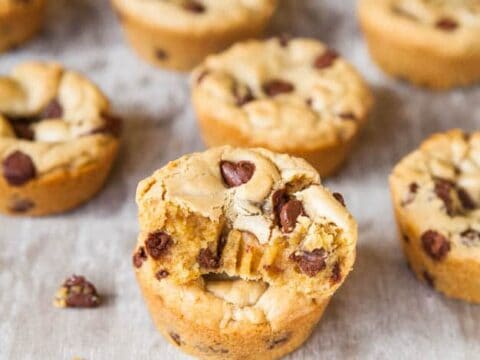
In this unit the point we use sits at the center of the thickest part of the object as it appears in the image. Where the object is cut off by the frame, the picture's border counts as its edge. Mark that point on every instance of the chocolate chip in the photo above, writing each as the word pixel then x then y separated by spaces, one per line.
pixel 162 274
pixel 20 206
pixel 470 237
pixel 446 24
pixel 412 191
pixel 53 110
pixel 347 116
pixel 18 168
pixel 77 292
pixel 413 187
pixel 275 342
pixel 236 174
pixel 289 213
pixel 161 54
pixel 326 59
pixel 194 6
pixel 435 245
pixel 157 244
pixel 139 258
pixel 276 87
pixel 443 189
pixel 243 95
pixel 336 276
pixel 208 260
pixel 112 125
pixel 310 262
pixel 429 279
pixel 23 130
pixel 176 338
pixel 465 199
pixel 406 238
pixel 339 198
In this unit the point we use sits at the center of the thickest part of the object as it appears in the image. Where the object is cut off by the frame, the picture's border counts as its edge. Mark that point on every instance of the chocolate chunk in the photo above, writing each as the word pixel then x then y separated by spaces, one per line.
pixel 236 174
pixel 465 199
pixel 339 198
pixel 443 189
pixel 162 274
pixel 161 54
pixel 139 258
pixel 157 244
pixel 18 168
pixel 310 262
pixel 208 260
pixel 435 245
pixel 112 125
pixel 53 110
pixel 276 87
pixel 23 130
pixel 326 59
pixel 77 292
pixel 289 213
pixel 243 95
pixel 429 279
pixel 20 206
pixel 176 338
pixel 336 276
pixel 446 24
pixel 194 6
pixel 278 341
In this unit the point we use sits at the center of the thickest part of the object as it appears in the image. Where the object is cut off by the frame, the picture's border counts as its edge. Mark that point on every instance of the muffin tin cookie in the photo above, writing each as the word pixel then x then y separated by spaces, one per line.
pixel 434 43
pixel 58 139
pixel 179 34
pixel 291 96
pixel 240 251
pixel 436 195
pixel 19 21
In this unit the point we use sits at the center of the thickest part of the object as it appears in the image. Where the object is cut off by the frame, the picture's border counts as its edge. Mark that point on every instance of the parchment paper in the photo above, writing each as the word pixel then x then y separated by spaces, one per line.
pixel 381 312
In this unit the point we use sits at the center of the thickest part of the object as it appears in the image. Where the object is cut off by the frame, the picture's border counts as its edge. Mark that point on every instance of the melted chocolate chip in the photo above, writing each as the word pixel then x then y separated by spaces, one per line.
pixel 412 191
pixel 161 54
pixel 276 87
pixel 18 168
pixel 278 341
pixel 336 276
pixel 470 236
pixel 194 6
pixel 208 260
pixel 465 199
pixel 310 262
pixel 446 24
pixel 78 293
pixel 435 245
pixel 243 95
pixel 162 274
pixel 20 206
pixel 347 116
pixel 443 189
pixel 339 198
pixel 406 238
pixel 326 59
pixel 53 110
pixel 139 257
pixel 289 214
pixel 23 130
pixel 429 279
pixel 176 338
pixel 157 244
pixel 236 174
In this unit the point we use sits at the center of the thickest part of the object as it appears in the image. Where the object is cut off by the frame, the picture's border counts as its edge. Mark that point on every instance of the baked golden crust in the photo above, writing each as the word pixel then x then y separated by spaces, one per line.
pixel 180 34
pixel 58 140
pixel 20 20
pixel 436 196
pixel 429 43
pixel 291 96
pixel 236 246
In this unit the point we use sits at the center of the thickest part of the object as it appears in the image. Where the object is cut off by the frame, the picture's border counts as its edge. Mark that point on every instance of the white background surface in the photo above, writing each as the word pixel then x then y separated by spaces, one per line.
pixel 381 312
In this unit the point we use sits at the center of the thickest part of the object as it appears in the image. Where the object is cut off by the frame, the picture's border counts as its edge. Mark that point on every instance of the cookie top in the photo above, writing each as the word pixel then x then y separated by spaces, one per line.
pixel 437 190
pixel 283 93
pixel 53 117
pixel 249 214
pixel 197 15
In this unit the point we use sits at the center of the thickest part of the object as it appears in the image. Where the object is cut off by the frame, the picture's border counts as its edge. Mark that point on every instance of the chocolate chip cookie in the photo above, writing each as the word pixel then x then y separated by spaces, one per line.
pixel 178 34
pixel 292 96
pixel 58 139
pixel 436 196
pixel 19 21
pixel 237 248
pixel 432 43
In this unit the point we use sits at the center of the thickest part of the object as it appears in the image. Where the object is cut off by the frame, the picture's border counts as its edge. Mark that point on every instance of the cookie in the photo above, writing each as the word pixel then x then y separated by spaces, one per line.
pixel 292 96
pixel 432 43
pixel 179 34
pixel 237 248
pixel 58 139
pixel 436 196
pixel 20 20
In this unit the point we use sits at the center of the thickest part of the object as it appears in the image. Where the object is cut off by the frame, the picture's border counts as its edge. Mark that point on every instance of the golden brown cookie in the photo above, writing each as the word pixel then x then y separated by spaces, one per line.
pixel 58 139
pixel 19 21
pixel 292 96
pixel 436 196
pixel 433 43
pixel 237 249
pixel 179 34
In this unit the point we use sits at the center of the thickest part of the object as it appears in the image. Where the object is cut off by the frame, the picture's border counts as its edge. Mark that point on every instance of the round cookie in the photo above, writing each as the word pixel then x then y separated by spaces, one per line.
pixel 292 96
pixel 179 34
pixel 58 139
pixel 436 196
pixel 237 248
pixel 432 43
pixel 19 21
